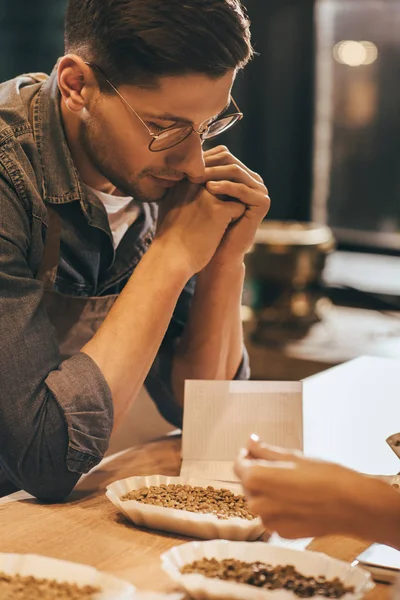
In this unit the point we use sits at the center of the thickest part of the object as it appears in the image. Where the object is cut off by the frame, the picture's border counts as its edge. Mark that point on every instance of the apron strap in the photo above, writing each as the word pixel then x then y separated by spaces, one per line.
pixel 48 267
pixel 51 254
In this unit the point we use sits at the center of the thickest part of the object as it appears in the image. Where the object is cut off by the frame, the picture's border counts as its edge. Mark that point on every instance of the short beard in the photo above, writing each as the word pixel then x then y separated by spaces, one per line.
pixel 98 155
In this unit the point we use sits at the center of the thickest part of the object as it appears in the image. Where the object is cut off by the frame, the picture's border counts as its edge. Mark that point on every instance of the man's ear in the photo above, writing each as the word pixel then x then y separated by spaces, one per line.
pixel 76 82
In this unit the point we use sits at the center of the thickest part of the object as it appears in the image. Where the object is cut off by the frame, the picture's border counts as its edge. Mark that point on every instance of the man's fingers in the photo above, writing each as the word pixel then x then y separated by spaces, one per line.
pixel 232 172
pixel 220 155
pixel 182 193
pixel 236 209
pixel 215 150
pixel 241 192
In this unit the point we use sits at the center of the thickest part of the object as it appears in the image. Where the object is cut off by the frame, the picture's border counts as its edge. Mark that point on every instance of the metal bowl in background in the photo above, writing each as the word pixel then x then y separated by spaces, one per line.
pixel 284 278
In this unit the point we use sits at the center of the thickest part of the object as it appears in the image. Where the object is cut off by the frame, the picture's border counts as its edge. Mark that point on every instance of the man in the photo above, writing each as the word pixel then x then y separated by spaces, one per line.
pixel 298 497
pixel 97 293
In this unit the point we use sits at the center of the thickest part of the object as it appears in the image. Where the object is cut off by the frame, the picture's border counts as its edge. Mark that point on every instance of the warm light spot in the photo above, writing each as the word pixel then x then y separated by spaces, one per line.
pixel 355 54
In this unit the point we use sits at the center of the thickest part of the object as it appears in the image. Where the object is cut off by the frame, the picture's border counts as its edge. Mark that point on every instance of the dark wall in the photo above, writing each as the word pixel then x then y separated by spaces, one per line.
pixel 276 93
pixel 31 35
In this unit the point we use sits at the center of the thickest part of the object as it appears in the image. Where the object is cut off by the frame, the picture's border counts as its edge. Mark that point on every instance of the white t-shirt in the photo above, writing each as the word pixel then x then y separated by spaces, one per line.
pixel 122 211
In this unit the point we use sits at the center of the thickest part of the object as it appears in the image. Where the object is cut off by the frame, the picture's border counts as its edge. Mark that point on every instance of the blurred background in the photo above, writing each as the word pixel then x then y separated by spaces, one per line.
pixel 322 121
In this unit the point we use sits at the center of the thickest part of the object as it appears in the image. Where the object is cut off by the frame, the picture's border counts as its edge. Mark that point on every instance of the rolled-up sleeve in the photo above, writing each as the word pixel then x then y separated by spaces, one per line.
pixel 80 389
pixel 55 416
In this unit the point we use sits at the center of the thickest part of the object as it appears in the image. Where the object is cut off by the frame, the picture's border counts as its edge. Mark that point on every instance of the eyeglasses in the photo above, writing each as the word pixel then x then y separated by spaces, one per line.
pixel 175 134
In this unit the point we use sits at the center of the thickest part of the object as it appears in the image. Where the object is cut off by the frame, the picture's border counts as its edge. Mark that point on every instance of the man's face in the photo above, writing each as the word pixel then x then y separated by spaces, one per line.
pixel 117 143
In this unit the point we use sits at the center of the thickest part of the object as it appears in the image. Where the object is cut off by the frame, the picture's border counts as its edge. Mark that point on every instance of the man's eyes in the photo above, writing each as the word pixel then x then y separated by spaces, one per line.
pixel 158 128
pixel 154 127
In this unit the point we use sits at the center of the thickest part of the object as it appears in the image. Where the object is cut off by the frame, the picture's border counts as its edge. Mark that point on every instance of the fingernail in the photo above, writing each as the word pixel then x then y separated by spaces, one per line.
pixel 254 437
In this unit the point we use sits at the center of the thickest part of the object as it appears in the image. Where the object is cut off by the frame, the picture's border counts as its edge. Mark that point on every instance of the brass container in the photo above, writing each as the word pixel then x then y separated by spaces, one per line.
pixel 284 278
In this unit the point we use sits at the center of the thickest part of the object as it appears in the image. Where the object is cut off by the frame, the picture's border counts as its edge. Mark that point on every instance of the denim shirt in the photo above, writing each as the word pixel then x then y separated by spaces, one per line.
pixel 56 415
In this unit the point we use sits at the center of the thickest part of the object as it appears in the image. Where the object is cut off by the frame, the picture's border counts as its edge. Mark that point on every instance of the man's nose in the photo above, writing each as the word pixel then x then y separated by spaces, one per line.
pixel 187 157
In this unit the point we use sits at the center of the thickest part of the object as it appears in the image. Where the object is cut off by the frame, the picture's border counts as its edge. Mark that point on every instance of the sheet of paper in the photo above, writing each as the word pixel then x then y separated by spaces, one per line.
pixel 220 416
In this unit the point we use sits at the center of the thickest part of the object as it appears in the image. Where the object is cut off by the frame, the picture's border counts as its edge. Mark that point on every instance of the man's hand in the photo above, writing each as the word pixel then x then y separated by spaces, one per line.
pixel 192 222
pixel 226 176
pixel 299 497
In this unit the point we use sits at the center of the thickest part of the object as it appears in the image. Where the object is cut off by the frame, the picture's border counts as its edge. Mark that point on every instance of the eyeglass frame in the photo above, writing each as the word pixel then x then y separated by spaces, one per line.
pixel 239 116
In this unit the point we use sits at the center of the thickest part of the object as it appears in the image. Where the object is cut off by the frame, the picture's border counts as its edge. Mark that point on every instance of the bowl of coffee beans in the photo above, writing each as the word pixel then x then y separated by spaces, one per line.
pixel 42 578
pixel 192 507
pixel 221 569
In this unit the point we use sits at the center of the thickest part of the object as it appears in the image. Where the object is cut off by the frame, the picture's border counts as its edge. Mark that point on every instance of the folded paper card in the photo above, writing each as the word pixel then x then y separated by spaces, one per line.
pixel 229 412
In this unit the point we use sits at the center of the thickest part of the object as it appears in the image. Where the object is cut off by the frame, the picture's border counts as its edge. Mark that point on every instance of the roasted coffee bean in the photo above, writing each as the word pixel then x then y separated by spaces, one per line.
pixel 220 502
pixel 265 576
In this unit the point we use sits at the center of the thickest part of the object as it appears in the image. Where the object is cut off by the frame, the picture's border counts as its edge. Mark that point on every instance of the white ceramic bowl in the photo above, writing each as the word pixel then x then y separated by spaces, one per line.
pixel 306 562
pixel 182 522
pixel 43 567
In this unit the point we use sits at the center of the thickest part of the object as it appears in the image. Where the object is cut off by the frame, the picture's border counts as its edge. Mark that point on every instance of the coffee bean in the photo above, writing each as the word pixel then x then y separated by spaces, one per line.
pixel 220 502
pixel 17 587
pixel 265 576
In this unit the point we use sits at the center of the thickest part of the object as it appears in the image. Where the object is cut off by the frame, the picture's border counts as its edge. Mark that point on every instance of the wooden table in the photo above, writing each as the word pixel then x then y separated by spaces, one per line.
pixel 88 529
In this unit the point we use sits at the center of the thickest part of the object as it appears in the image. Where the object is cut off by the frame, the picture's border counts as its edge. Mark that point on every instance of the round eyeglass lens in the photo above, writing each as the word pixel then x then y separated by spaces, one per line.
pixel 171 137
pixel 221 125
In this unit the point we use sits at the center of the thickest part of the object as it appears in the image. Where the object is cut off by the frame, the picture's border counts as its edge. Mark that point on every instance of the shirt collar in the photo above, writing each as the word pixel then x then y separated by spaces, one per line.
pixel 61 182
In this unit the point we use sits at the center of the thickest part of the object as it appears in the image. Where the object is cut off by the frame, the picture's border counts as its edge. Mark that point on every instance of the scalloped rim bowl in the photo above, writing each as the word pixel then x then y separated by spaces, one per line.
pixel 63 571
pixel 204 526
pixel 307 562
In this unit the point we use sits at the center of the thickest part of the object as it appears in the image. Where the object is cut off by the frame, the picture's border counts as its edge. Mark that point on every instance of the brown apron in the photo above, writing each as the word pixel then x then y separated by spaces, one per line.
pixel 76 319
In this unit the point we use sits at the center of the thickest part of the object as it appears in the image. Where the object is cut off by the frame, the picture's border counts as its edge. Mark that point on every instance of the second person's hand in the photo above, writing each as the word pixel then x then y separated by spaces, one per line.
pixel 299 497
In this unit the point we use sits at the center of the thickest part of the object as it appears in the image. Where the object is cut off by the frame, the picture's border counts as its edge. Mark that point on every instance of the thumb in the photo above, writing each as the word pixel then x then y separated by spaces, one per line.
pixel 182 193
pixel 260 450
pixel 237 210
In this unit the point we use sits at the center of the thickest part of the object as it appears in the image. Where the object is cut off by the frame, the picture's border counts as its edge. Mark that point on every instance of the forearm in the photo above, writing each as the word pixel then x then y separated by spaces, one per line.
pixel 126 344
pixel 212 345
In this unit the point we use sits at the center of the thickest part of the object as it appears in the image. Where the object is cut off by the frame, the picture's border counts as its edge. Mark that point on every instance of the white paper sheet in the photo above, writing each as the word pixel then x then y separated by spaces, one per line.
pixel 221 415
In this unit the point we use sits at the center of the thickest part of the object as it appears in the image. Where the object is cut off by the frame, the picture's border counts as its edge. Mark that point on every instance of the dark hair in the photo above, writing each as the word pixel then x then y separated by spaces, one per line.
pixel 138 41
